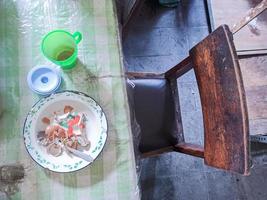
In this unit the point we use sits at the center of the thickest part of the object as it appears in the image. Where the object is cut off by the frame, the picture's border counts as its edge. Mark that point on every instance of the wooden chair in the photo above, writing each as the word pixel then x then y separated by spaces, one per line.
pixel 157 110
pixel 154 102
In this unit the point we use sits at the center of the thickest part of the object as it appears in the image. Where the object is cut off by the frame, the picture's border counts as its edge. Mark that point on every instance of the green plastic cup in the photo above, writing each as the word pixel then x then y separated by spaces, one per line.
pixel 60 47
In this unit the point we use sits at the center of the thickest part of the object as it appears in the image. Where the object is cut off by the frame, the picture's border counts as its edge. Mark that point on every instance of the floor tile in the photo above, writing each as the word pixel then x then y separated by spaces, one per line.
pixel 253 186
pixel 158 16
pixel 185 185
pixel 142 41
pixel 170 164
pixel 158 64
pixel 189 96
pixel 196 34
pixel 193 127
pixel 163 188
pixel 191 185
pixel 187 77
pixel 221 186
pixel 194 13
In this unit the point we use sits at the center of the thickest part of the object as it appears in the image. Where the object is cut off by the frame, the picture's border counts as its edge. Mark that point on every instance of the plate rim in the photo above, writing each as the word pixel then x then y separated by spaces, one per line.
pixel 58 92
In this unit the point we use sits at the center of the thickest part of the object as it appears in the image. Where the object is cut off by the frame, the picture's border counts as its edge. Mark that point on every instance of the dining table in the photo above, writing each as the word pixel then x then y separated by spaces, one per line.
pixel 98 73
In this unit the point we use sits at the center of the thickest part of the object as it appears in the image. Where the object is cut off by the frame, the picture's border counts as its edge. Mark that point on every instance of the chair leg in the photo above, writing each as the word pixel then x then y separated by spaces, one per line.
pixel 178 117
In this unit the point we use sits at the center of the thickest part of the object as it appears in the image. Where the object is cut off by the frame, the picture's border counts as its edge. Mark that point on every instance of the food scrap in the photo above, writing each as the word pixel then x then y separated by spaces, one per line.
pixel 68 109
pixel 46 120
pixel 67 129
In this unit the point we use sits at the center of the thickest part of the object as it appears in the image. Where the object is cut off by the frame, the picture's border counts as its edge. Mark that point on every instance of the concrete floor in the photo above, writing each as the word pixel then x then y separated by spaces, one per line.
pixel 157 39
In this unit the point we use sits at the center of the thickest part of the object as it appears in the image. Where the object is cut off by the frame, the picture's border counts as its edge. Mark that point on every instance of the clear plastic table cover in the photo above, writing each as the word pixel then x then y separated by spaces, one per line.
pixel 98 73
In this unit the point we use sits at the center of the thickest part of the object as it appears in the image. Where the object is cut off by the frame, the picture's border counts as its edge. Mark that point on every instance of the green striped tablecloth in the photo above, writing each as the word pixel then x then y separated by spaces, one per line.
pixel 99 73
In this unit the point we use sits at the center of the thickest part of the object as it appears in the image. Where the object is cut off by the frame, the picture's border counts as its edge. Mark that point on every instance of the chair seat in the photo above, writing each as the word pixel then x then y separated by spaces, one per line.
pixel 153 109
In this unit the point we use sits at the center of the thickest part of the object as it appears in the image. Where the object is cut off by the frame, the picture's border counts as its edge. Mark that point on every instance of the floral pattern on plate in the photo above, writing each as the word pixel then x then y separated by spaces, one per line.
pixel 96 129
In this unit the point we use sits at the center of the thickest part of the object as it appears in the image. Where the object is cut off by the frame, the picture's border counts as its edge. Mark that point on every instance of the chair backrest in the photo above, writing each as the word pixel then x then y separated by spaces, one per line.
pixel 223 102
pixel 220 84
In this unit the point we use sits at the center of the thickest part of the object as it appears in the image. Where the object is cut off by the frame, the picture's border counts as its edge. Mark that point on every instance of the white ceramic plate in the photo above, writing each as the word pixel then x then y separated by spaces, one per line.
pixel 96 129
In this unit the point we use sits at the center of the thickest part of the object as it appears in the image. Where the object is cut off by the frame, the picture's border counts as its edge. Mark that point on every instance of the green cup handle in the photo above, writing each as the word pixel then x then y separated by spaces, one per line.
pixel 77 37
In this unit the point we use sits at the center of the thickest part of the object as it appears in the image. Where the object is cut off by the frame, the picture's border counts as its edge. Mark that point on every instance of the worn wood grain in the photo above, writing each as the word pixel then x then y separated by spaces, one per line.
pixel 186 148
pixel 223 102
pixel 179 69
pixel 190 149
